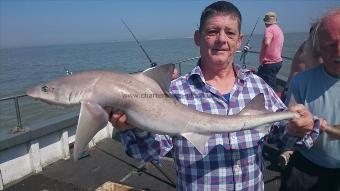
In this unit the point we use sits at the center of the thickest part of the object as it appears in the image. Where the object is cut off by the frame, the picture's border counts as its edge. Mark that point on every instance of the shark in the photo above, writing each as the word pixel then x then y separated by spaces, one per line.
pixel 145 99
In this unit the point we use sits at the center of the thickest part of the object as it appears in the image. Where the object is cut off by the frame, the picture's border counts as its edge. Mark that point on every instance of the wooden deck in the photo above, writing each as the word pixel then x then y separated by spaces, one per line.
pixel 108 163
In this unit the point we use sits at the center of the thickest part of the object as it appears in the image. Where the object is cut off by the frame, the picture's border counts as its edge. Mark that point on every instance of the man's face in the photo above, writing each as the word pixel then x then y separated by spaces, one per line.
pixel 329 40
pixel 219 39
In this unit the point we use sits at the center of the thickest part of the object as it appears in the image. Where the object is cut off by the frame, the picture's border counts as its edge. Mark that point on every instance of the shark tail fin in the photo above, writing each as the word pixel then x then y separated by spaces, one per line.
pixel 333 131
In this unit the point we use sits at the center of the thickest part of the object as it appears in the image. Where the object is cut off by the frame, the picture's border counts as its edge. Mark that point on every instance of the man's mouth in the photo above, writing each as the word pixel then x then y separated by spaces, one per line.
pixel 220 49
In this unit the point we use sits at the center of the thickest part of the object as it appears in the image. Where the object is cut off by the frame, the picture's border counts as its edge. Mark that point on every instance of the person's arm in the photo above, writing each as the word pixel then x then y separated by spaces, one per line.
pixel 297 64
pixel 267 39
pixel 297 133
pixel 141 144
pixel 286 135
pixel 137 143
pixel 144 145
pixel 300 133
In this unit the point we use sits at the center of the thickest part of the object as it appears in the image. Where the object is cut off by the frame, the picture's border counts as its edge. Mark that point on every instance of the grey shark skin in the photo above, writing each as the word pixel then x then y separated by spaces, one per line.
pixel 333 131
pixel 148 105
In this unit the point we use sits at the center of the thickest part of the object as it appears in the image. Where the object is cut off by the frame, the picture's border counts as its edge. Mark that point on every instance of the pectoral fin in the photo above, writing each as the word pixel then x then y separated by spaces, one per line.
pixel 92 118
pixel 197 140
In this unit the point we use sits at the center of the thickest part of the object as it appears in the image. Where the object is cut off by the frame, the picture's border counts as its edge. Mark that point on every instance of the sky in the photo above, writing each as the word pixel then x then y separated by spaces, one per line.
pixel 47 22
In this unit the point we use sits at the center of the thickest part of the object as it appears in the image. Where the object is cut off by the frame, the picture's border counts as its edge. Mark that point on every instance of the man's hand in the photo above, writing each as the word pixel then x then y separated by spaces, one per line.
pixel 302 125
pixel 118 119
pixel 175 74
pixel 323 124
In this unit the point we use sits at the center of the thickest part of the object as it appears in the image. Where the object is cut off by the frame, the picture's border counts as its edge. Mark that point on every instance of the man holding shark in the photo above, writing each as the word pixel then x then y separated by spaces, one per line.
pixel 217 85
pixel 213 119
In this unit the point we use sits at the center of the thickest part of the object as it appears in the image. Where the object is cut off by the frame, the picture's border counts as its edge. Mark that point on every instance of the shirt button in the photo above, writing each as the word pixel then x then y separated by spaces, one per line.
pixel 233 137
pixel 238 186
pixel 237 168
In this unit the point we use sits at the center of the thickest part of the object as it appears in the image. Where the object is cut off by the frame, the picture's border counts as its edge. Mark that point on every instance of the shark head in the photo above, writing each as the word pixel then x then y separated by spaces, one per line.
pixel 47 93
pixel 54 92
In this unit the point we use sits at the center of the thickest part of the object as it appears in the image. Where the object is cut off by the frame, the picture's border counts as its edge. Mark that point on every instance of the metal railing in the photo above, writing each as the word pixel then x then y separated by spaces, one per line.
pixel 19 127
pixel 15 98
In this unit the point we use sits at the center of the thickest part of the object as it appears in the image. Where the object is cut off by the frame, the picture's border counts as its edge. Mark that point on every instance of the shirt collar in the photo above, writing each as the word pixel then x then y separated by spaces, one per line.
pixel 241 73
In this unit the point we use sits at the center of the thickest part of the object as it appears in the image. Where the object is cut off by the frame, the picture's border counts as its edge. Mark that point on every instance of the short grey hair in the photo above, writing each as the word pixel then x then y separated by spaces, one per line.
pixel 317 26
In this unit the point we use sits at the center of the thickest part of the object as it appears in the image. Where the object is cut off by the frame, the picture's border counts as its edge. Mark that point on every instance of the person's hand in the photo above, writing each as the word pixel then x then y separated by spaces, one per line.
pixel 175 74
pixel 118 119
pixel 302 125
pixel 323 124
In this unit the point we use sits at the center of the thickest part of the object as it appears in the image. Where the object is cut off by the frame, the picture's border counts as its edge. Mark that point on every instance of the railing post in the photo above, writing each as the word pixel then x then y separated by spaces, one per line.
pixel 17 111
pixel 180 68
pixel 19 127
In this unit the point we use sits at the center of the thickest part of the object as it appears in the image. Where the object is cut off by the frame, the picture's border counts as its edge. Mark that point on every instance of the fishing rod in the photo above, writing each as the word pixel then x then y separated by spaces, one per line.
pixel 152 64
pixel 247 47
pixel 252 32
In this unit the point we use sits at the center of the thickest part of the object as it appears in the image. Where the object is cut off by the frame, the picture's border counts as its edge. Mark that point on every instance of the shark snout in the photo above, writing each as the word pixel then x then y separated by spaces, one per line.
pixel 30 92
pixel 33 92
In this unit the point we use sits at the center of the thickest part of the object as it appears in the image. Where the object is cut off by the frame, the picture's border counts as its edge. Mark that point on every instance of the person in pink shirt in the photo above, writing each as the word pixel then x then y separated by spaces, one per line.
pixel 270 55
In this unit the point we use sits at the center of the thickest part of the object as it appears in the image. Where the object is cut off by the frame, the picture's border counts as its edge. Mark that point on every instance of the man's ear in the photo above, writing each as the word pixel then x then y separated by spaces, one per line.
pixel 240 40
pixel 197 37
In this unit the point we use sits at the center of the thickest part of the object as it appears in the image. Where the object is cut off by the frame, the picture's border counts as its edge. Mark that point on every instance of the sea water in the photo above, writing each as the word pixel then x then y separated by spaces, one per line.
pixel 21 68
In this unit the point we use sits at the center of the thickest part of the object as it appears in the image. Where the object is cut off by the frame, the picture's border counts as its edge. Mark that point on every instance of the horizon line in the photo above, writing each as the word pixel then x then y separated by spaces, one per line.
pixel 101 42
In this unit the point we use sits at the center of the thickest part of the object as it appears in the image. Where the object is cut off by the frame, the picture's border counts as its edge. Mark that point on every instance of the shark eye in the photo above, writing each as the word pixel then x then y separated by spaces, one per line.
pixel 44 88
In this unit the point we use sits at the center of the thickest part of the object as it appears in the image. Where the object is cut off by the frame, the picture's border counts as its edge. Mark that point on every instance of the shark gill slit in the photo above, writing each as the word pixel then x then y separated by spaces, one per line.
pixel 244 125
pixel 70 96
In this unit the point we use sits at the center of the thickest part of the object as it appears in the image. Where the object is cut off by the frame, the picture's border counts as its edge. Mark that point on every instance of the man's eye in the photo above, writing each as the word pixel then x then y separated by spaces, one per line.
pixel 212 33
pixel 231 33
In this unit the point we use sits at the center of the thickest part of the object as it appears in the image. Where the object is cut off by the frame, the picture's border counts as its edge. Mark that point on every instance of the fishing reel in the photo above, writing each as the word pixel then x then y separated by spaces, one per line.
pixel 245 50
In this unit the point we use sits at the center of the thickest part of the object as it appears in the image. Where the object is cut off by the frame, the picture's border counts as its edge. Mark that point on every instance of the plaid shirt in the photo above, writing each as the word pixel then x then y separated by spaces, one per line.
pixel 234 160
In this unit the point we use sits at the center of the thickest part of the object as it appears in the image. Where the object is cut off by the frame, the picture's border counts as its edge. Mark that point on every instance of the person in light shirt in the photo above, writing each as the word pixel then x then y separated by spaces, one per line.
pixel 319 89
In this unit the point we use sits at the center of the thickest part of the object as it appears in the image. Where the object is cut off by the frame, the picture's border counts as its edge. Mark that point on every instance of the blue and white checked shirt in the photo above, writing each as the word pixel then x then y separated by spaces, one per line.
pixel 234 160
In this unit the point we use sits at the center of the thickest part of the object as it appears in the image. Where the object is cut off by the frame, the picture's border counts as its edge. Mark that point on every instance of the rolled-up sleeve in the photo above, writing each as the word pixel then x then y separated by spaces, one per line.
pixel 144 145
pixel 305 142
pixel 279 135
pixel 291 141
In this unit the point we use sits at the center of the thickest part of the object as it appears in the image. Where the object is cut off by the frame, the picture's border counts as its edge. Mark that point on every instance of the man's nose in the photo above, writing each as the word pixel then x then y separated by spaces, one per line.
pixel 222 36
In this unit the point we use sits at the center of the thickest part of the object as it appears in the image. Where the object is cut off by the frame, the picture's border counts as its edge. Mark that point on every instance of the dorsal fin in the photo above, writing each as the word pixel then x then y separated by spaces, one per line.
pixel 162 75
pixel 255 106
